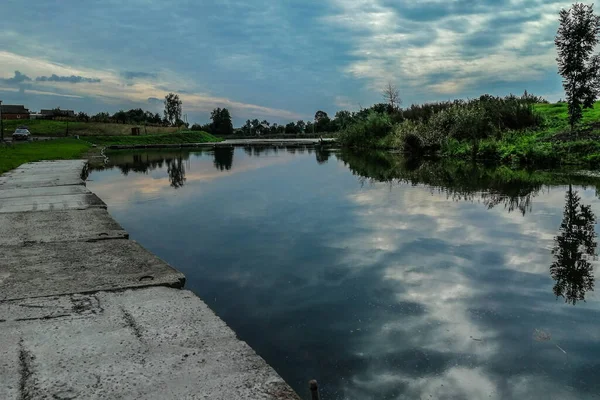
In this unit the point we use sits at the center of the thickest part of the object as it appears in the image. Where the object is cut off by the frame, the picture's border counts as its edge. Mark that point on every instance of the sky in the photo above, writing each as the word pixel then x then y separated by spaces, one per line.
pixel 279 60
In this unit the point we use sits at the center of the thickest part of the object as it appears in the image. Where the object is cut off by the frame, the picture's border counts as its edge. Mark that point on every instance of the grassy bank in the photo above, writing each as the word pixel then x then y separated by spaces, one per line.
pixel 552 143
pixel 511 130
pixel 171 138
pixel 40 127
pixel 11 156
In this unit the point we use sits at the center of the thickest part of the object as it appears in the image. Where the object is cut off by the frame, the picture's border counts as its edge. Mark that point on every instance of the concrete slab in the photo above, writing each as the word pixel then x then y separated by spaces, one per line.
pixel 43 191
pixel 79 164
pixel 154 343
pixel 58 226
pixel 41 169
pixel 51 203
pixel 45 173
pixel 76 166
pixel 38 181
pixel 47 269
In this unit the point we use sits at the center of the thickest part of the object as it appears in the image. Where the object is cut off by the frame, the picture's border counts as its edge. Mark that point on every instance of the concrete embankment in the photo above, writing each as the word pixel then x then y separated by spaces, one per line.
pixel 233 143
pixel 86 313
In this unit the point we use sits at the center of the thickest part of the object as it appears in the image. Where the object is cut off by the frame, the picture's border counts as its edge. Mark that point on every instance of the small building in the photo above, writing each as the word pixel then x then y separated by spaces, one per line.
pixel 14 112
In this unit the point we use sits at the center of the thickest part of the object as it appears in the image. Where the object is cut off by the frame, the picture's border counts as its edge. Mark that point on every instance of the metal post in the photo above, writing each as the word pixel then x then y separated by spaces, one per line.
pixel 314 390
pixel 1 125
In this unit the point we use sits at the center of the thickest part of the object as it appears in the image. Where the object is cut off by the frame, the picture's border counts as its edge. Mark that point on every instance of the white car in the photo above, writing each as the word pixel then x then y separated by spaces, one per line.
pixel 21 134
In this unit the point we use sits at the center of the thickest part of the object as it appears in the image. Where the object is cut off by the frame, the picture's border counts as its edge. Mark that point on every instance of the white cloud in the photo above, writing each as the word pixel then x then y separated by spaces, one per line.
pixel 113 88
pixel 388 44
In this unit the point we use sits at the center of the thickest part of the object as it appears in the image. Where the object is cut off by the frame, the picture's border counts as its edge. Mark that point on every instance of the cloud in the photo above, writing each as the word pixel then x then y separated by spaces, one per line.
pixel 345 103
pixel 114 92
pixel 130 75
pixel 17 78
pixel 154 100
pixel 69 79
pixel 473 46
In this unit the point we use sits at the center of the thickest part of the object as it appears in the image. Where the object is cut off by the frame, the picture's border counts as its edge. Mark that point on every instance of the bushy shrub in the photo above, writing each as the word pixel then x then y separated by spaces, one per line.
pixel 368 131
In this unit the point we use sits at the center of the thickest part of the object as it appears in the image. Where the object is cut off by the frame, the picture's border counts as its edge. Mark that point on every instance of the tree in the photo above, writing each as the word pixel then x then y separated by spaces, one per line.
pixel 247 128
pixel 291 128
pixel 300 125
pixel 221 122
pixel 172 108
pixel 575 41
pixel 342 119
pixel 573 247
pixel 391 95
pixel 81 116
pixel 322 121
pixel 120 116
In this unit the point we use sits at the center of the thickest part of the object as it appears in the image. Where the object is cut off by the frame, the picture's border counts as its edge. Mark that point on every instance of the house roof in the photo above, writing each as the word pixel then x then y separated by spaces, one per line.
pixel 14 109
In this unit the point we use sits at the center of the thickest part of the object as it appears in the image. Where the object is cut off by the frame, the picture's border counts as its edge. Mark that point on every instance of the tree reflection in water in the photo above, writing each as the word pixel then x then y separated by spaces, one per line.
pixel 322 155
pixel 176 171
pixel 223 158
pixel 573 248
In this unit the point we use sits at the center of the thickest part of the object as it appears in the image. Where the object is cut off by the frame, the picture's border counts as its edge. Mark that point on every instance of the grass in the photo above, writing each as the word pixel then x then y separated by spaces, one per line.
pixel 11 156
pixel 41 127
pixel 171 138
pixel 549 143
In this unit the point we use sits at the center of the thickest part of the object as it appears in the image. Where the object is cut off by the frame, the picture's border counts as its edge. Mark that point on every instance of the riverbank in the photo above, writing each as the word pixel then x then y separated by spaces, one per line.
pixel 11 156
pixel 182 137
pixel 87 313
pixel 15 154
pixel 41 127
pixel 513 131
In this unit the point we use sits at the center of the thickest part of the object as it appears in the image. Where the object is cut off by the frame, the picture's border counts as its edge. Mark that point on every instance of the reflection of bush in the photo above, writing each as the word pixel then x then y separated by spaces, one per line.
pixel 461 180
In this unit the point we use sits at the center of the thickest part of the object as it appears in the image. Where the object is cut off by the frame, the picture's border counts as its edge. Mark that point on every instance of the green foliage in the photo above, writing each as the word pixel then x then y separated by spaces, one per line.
pixel 221 122
pixel 576 40
pixel 367 132
pixel 172 108
pixel 11 156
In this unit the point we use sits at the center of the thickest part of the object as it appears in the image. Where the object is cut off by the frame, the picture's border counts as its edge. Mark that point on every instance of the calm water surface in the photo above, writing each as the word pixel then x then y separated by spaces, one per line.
pixel 379 277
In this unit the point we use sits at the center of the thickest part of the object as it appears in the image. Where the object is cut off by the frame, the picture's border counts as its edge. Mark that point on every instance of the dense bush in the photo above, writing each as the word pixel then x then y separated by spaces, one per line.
pixel 367 132
pixel 459 127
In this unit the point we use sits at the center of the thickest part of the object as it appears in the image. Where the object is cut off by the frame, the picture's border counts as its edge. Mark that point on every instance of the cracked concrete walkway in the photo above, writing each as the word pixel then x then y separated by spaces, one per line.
pixel 86 313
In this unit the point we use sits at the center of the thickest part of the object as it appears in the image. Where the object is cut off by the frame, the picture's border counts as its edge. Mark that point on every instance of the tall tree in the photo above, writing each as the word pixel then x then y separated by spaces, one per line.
pixel 575 41
pixel 172 108
pixel 391 95
pixel 221 122
pixel 343 118
pixel 573 247
pixel 322 121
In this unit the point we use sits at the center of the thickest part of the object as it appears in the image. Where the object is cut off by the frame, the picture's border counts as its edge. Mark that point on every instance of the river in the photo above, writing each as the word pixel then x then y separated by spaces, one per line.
pixel 380 277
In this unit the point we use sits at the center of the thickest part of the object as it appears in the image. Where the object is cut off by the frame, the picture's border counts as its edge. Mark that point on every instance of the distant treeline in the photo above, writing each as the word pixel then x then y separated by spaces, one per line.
pixel 135 116
pixel 344 119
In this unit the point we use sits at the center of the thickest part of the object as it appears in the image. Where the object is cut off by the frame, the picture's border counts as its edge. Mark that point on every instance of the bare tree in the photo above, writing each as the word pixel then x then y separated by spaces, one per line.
pixel 391 94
